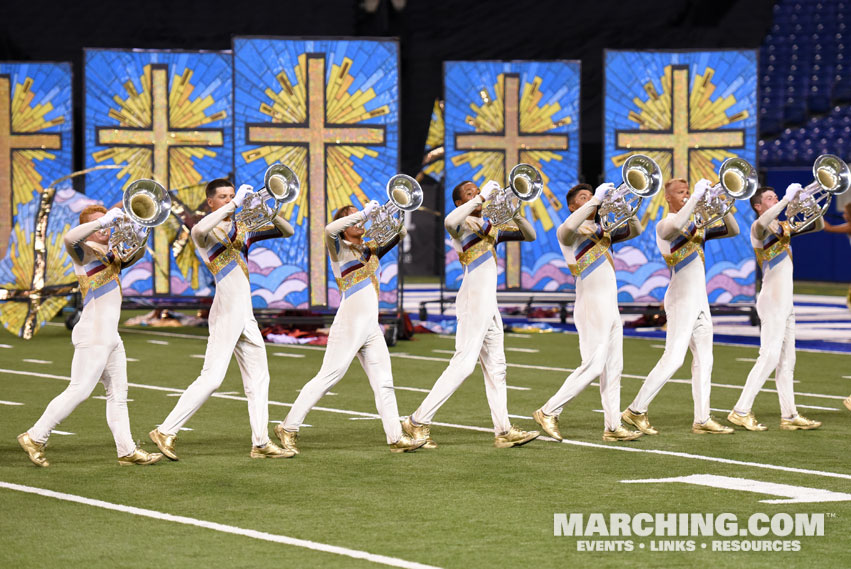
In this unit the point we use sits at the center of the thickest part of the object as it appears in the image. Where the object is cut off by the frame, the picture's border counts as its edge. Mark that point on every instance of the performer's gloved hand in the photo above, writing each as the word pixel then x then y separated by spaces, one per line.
pixel 792 191
pixel 140 230
pixel 370 206
pixel 488 189
pixel 111 217
pixel 701 187
pixel 602 190
pixel 242 193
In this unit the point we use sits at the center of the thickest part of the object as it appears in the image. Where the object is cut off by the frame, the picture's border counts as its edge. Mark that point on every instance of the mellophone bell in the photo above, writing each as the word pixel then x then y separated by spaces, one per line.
pixel 145 203
pixel 404 194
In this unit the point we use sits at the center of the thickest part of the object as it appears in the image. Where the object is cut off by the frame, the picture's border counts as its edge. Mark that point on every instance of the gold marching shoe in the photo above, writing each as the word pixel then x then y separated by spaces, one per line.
pixel 638 420
pixel 748 421
pixel 288 439
pixel 417 432
pixel 165 443
pixel 514 437
pixel 140 457
pixel 270 450
pixel 549 423
pixel 847 402
pixel 33 449
pixel 799 423
pixel 711 427
pixel 406 444
pixel 621 434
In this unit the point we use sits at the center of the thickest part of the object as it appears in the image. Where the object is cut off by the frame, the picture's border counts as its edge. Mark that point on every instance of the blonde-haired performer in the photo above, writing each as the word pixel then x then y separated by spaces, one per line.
pixel 223 245
pixel 686 306
pixel 98 349
pixel 354 332
pixel 479 334
pixel 770 239
pixel 585 246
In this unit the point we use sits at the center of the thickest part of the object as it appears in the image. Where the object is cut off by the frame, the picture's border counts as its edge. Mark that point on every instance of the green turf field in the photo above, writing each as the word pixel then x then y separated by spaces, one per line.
pixel 465 504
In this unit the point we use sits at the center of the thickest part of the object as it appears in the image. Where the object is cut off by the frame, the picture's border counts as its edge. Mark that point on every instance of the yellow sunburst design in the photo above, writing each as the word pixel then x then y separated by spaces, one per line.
pixel 29 118
pixel 59 271
pixel 137 111
pixel 186 259
pixel 657 113
pixel 289 105
pixel 436 130
pixel 534 118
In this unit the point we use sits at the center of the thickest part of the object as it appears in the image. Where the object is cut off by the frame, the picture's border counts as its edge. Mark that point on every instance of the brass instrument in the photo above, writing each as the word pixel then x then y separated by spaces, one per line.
pixel 524 184
pixel 146 203
pixel 832 177
pixel 405 194
pixel 642 178
pixel 281 185
pixel 737 182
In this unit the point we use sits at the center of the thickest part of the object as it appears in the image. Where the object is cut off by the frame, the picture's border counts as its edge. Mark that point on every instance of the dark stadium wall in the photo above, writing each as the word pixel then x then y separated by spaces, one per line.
pixel 430 32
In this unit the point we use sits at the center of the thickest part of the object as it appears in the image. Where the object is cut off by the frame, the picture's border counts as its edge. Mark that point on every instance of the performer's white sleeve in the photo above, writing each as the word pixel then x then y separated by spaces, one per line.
pixel 566 232
pixel 455 218
pixel 75 240
pixel 526 228
pixel 731 224
pixel 283 226
pixel 335 228
pixel 670 227
pixel 202 229
pixel 760 226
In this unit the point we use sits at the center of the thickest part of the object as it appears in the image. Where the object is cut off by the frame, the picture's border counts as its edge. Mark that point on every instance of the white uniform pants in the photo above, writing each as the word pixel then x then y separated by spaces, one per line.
pixel 602 356
pixel 474 340
pixel 776 352
pixel 374 358
pixel 93 363
pixel 683 333
pixel 250 351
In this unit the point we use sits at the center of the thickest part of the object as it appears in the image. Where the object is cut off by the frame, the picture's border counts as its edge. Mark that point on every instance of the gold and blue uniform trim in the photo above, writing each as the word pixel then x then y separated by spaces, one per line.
pixel 231 251
pixel 359 273
pixel 591 253
pixel 102 276
pixel 687 247
pixel 775 248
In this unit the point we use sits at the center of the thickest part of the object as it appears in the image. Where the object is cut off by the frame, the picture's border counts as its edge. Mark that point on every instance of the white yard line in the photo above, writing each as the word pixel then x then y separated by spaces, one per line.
pixel 9 403
pixel 490 430
pixel 223 528
pixel 158 342
pixel 286 355
pixel 37 361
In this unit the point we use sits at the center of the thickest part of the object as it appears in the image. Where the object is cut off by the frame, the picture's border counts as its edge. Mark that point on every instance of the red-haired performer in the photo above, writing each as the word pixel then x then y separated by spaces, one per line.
pixel 354 332
pixel 98 349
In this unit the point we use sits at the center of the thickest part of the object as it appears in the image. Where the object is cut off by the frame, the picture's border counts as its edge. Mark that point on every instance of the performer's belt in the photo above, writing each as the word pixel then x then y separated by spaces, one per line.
pixel 692 246
pixel 589 260
pixel 776 249
pixel 351 283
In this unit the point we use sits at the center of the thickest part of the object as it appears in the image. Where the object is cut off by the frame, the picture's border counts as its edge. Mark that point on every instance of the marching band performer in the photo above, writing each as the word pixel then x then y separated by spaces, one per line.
pixel 98 349
pixel 585 246
pixel 355 330
pixel 223 245
pixel 770 239
pixel 686 307
pixel 479 335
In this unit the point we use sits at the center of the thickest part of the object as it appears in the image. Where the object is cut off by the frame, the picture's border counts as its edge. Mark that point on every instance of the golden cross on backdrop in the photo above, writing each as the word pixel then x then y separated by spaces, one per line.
pixel 11 142
pixel 511 142
pixel 316 134
pixel 680 140
pixel 161 137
